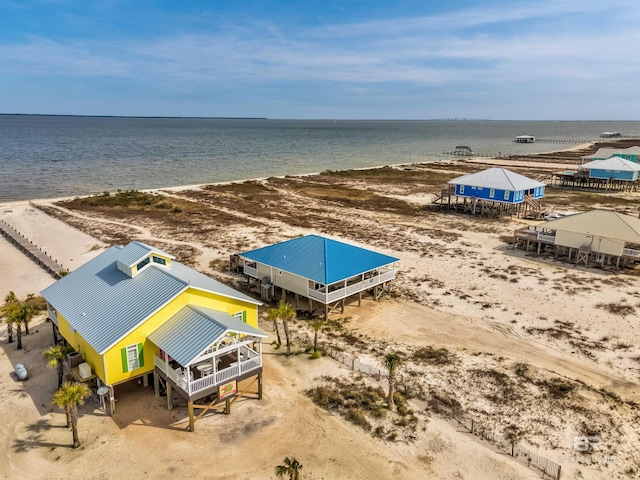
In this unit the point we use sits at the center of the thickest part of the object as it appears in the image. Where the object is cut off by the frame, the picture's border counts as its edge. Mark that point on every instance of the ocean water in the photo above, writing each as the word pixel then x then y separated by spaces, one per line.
pixel 59 156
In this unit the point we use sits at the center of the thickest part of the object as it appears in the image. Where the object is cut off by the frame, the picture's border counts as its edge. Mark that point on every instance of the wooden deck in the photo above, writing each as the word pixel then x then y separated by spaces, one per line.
pixel 27 247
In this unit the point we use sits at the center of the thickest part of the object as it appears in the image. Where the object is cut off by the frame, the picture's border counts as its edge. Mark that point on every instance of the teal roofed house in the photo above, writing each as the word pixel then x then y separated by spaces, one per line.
pixel 322 270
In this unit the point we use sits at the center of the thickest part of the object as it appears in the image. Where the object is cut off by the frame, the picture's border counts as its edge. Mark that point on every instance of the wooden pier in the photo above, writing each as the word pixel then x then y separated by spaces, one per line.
pixel 27 247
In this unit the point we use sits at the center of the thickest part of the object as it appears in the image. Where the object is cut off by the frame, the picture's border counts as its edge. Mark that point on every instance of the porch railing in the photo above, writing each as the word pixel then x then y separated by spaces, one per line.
pixel 208 381
pixel 629 252
pixel 227 374
pixel 546 238
pixel 351 289
pixel 251 271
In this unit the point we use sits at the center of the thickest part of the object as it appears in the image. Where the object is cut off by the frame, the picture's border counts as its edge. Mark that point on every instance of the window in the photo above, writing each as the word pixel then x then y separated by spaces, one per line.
pixel 159 260
pixel 461 188
pixel 241 316
pixel 132 357
pixel 142 263
pixel 492 192
pixel 506 195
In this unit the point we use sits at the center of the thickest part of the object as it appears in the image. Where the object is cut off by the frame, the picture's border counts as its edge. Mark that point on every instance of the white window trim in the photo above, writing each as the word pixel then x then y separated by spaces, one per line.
pixel 133 363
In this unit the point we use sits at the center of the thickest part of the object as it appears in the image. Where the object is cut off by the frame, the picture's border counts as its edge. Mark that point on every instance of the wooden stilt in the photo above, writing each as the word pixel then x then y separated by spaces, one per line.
pixel 112 400
pixel 192 422
pixel 227 406
pixel 145 380
pixel 169 397
pixel 326 311
pixel 156 385
pixel 259 386
pixel 359 298
pixel 342 306
pixel 297 301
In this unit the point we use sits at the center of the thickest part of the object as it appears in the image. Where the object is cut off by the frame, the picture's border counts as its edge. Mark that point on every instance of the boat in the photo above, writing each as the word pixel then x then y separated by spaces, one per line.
pixel 610 134
pixel 525 139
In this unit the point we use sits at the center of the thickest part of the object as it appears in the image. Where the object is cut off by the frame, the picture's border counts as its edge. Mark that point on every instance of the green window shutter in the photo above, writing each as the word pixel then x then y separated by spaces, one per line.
pixel 140 355
pixel 125 363
pixel 244 316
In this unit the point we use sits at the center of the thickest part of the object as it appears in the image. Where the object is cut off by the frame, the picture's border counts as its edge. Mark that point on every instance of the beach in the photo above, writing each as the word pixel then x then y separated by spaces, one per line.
pixel 513 327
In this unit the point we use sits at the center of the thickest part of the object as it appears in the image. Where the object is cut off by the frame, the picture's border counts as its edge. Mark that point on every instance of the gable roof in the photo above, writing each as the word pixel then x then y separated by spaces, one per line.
pixel 613 163
pixel 319 259
pixel 498 178
pixel 194 329
pixel 132 253
pixel 103 304
pixel 600 223
pixel 610 152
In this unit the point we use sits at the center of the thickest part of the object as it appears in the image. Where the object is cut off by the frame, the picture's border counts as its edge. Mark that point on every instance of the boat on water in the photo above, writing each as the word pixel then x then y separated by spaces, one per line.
pixel 610 134
pixel 525 139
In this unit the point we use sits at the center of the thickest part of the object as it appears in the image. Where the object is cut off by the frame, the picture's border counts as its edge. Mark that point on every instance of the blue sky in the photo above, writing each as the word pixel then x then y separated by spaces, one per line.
pixel 406 59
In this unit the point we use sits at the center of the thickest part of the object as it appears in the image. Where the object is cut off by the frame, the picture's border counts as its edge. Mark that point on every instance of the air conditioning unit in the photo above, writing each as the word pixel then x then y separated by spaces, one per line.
pixel 84 370
pixel 74 359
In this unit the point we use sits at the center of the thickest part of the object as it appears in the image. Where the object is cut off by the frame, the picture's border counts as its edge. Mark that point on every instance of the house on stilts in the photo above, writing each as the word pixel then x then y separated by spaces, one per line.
pixel 323 271
pixel 135 313
pixel 492 193
pixel 611 174
pixel 596 237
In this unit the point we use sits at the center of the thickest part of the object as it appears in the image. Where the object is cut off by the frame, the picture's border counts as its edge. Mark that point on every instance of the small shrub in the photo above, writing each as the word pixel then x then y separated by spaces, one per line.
pixel 433 356
pixel 315 355
pixel 357 417
pixel 559 388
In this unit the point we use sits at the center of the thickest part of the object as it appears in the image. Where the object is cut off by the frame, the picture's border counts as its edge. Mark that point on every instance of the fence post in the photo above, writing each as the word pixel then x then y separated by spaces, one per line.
pixel 559 472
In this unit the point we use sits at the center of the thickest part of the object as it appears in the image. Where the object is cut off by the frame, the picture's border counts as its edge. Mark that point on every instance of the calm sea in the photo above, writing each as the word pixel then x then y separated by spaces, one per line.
pixel 56 156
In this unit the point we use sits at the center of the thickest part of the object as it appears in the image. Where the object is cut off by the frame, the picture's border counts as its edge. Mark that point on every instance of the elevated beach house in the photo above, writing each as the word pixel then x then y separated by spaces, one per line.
pixel 134 311
pixel 493 192
pixel 613 173
pixel 631 153
pixel 599 236
pixel 326 272
pixel 614 168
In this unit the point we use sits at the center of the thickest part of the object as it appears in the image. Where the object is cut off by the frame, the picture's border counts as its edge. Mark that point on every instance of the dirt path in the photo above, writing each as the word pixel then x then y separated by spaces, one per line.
pixel 419 326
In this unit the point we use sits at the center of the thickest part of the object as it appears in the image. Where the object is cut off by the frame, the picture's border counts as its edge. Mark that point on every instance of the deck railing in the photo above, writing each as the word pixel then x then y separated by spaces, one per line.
pixel 208 381
pixel 351 289
pixel 546 238
pixel 251 271
pixel 629 252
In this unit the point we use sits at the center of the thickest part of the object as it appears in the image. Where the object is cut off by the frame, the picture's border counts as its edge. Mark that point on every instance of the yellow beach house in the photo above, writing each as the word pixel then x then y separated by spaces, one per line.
pixel 134 311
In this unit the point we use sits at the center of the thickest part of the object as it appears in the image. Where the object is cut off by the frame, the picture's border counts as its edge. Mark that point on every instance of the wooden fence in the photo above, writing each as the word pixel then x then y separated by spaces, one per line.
pixel 548 468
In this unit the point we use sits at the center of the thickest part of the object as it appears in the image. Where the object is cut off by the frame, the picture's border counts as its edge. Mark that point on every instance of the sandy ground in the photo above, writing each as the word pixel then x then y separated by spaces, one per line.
pixel 459 288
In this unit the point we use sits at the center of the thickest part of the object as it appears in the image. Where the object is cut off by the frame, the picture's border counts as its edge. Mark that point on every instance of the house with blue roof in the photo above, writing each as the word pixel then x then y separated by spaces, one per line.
pixel 322 270
pixel 134 311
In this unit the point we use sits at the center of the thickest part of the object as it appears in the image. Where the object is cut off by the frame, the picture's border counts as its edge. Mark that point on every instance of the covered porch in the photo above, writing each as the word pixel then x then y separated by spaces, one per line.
pixel 204 354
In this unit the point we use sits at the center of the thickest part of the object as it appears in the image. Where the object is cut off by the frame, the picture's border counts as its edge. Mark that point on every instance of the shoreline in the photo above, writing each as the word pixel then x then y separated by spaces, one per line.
pixel 180 188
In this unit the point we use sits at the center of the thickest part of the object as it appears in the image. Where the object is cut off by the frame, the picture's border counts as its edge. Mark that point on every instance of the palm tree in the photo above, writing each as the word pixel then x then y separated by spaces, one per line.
pixel 392 362
pixel 286 312
pixel 69 397
pixel 18 314
pixel 291 467
pixel 55 356
pixel 31 312
pixel 316 325
pixel 10 303
pixel 272 314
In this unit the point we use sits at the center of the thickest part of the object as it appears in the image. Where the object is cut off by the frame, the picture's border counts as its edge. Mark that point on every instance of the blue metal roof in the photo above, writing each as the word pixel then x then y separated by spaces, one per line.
pixel 319 259
pixel 104 304
pixel 194 329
